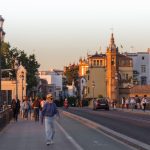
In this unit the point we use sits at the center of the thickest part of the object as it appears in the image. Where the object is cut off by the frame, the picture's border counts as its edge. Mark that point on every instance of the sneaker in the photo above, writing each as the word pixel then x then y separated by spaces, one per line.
pixel 52 142
pixel 48 143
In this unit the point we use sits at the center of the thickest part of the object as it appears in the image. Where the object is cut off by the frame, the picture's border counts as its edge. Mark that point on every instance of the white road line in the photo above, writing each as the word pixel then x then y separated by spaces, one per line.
pixel 78 147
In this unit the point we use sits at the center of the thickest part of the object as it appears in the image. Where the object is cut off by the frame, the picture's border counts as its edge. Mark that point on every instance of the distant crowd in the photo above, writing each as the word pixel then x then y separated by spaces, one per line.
pixel 27 108
pixel 134 102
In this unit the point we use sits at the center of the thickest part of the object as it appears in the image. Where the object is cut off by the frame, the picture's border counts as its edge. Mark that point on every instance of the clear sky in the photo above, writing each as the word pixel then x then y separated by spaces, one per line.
pixel 60 31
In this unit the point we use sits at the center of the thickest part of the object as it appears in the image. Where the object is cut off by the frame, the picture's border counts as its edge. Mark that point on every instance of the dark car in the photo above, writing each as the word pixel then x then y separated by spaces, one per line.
pixel 100 103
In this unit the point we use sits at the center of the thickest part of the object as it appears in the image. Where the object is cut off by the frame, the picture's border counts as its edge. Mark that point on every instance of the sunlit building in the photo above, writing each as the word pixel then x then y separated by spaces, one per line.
pixel 108 74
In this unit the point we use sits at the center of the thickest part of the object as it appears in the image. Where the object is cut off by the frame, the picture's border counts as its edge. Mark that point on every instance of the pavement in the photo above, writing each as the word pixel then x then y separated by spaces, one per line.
pixel 137 111
pixel 70 135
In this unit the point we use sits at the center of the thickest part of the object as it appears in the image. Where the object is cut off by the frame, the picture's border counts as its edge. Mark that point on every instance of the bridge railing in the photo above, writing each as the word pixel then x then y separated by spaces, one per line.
pixel 5 117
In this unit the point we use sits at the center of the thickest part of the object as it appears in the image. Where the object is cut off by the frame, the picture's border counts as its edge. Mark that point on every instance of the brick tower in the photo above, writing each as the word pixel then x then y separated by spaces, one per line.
pixel 112 70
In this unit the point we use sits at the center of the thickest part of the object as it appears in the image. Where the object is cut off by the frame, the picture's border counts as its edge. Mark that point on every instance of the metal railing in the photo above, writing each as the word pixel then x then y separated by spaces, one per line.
pixel 5 117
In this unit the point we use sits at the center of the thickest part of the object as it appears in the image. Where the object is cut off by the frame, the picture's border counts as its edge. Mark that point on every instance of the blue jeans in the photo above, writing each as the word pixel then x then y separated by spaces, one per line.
pixel 49 128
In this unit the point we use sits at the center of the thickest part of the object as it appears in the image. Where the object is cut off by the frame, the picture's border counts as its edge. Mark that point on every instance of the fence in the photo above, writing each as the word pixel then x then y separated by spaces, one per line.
pixel 5 117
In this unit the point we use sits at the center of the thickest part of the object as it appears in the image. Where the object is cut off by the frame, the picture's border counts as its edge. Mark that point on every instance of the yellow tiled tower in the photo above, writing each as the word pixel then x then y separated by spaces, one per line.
pixel 112 70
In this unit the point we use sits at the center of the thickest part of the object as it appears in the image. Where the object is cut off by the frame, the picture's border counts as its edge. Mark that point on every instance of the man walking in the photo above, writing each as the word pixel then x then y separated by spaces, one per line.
pixel 48 112
pixel 15 105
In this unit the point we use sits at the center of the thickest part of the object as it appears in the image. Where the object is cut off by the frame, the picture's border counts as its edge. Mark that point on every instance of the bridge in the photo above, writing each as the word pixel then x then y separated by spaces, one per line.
pixel 70 135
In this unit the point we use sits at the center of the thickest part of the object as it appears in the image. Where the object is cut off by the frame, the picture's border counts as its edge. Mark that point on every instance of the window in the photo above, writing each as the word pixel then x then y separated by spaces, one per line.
pixel 127 76
pixel 143 80
pixel 143 68
pixel 112 61
pixel 142 57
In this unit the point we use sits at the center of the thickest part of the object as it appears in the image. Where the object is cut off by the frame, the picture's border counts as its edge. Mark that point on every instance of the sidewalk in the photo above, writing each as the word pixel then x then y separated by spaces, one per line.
pixel 137 111
pixel 30 135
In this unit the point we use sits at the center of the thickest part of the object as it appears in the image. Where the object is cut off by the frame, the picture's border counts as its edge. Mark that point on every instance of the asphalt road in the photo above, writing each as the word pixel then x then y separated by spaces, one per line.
pixel 136 126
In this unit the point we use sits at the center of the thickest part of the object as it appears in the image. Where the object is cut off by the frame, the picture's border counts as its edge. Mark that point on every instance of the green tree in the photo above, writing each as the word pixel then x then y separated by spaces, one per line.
pixel 29 62
pixel 72 74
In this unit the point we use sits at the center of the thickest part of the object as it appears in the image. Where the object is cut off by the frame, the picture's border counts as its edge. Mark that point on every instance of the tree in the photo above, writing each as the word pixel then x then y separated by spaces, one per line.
pixel 29 62
pixel 72 74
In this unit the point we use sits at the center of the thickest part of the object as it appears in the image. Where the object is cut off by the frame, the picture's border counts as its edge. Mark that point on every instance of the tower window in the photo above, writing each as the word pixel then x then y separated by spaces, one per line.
pixel 112 61
pixel 142 57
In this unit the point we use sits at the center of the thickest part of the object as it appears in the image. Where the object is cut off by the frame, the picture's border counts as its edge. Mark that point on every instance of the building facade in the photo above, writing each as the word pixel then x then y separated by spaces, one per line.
pixel 107 73
pixel 95 77
pixel 54 80
pixel 12 87
pixel 141 67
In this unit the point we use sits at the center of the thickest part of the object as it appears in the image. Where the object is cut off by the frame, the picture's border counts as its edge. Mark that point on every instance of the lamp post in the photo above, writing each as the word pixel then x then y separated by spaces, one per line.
pixel 2 34
pixel 16 65
pixel 117 89
pixel 93 86
pixel 22 77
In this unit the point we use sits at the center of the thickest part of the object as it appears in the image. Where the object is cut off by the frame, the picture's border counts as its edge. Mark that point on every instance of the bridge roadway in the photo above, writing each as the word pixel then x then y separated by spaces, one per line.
pixel 70 135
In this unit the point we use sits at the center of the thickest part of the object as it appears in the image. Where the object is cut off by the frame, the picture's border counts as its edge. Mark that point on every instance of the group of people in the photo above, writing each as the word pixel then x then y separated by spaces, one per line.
pixel 134 103
pixel 44 109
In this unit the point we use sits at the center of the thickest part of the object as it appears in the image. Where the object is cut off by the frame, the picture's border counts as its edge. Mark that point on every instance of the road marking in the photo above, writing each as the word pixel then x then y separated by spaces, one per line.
pixel 78 147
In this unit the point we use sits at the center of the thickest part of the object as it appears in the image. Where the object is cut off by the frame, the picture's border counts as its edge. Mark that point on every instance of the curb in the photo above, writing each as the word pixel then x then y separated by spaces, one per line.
pixel 110 133
pixel 147 112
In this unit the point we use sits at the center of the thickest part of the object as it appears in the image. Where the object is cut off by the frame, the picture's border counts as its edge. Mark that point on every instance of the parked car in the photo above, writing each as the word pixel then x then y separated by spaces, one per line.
pixel 100 103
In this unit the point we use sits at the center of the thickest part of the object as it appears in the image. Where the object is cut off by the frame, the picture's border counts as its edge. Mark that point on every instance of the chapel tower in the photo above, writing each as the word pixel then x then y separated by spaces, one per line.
pixel 112 68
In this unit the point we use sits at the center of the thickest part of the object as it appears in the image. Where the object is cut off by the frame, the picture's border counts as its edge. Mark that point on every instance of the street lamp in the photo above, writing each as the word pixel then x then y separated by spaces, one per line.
pixel 16 65
pixel 2 34
pixel 22 77
pixel 117 89
pixel 93 86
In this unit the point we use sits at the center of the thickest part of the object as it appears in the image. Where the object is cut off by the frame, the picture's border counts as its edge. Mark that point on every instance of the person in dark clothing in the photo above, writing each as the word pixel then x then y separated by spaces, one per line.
pixel 15 105
pixel 36 108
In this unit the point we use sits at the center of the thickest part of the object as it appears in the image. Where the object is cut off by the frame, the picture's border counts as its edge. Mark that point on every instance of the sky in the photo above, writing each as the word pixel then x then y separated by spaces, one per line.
pixel 59 32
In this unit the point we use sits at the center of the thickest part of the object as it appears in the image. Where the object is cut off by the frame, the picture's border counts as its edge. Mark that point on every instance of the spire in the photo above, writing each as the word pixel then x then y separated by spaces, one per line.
pixel 112 39
pixel 112 45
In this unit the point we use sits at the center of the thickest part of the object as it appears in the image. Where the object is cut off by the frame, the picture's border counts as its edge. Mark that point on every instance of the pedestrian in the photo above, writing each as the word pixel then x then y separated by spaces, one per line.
pixel 132 103
pixel 127 102
pixel 143 103
pixel 42 103
pixel 66 105
pixel 36 108
pixel 15 105
pixel 48 112
pixel 26 107
pixel 123 102
pixel 21 109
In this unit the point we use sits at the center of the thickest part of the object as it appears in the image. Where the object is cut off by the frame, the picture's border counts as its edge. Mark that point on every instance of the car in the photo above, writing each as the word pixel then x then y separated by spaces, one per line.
pixel 100 103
